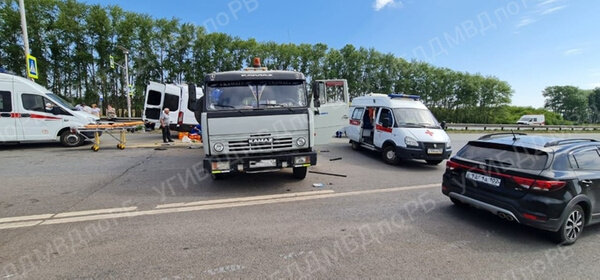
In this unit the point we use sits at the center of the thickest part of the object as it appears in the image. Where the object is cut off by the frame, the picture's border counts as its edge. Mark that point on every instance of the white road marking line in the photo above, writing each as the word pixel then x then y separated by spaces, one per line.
pixel 238 203
pixel 241 199
pixel 66 214
pixel 26 218
pixel 92 212
pixel 20 224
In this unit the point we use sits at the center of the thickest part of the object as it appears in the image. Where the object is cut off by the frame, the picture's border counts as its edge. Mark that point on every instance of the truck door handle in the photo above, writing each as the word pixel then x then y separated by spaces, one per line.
pixel 345 117
pixel 587 183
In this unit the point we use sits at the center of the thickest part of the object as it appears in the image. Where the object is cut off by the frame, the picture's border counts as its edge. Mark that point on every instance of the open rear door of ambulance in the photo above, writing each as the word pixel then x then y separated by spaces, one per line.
pixel 332 115
pixel 155 95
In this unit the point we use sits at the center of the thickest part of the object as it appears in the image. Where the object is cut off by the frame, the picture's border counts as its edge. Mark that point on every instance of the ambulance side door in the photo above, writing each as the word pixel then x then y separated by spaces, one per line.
pixel 8 122
pixel 384 127
pixel 354 129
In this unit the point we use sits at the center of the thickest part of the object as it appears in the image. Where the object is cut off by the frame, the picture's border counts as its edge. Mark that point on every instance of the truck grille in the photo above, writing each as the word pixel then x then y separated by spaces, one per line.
pixel 262 142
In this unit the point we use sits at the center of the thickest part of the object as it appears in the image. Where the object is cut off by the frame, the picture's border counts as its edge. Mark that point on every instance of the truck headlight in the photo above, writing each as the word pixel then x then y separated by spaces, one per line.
pixel 301 141
pixel 409 141
pixel 221 166
pixel 218 147
pixel 301 160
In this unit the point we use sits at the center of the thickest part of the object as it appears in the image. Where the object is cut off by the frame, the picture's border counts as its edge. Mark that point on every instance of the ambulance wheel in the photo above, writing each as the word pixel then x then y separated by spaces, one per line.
pixel 355 146
pixel 434 162
pixel 389 155
pixel 300 172
pixel 70 139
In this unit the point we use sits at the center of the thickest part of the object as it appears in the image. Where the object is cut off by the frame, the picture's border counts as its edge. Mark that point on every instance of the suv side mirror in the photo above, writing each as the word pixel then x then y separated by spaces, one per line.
pixel 192 106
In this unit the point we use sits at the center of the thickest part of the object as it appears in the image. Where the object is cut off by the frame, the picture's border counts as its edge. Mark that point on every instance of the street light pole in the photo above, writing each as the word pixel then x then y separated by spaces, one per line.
pixel 126 52
pixel 24 28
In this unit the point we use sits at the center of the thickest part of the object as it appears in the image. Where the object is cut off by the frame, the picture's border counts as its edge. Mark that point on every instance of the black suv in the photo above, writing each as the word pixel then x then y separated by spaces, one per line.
pixel 547 183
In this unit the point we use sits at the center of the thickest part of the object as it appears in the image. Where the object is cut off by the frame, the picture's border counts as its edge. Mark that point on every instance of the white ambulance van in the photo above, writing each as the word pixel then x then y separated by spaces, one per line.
pixel 31 113
pixel 399 126
pixel 175 97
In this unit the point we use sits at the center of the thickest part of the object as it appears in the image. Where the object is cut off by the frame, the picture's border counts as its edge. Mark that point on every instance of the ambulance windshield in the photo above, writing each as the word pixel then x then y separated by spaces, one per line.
pixel 415 118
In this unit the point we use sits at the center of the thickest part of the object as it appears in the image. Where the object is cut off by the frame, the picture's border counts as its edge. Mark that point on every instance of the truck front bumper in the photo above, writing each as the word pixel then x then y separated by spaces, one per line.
pixel 258 163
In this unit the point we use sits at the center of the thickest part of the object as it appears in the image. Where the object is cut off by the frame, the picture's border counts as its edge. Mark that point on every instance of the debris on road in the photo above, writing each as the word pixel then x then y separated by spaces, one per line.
pixel 325 173
pixel 318 185
pixel 334 159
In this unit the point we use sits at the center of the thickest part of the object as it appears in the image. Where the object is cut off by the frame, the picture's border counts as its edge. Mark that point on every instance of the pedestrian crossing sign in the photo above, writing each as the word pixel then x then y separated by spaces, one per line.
pixel 32 69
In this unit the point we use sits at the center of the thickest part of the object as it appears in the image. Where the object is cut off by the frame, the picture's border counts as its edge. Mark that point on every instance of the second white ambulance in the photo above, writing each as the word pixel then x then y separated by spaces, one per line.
pixel 399 126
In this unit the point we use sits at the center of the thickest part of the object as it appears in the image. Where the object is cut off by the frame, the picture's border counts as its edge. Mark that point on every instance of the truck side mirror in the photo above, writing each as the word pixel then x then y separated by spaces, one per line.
pixel 316 94
pixel 192 106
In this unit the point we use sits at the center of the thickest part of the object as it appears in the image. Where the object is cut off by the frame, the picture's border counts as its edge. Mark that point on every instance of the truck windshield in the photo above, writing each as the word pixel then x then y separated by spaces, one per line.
pixel 60 101
pixel 236 95
pixel 415 117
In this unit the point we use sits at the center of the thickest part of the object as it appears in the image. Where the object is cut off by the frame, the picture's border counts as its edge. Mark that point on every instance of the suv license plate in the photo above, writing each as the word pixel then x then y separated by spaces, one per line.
pixel 483 179
pixel 435 151
pixel 263 163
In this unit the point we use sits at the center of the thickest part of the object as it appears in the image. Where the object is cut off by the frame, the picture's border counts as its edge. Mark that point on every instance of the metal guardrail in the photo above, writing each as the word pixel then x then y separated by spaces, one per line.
pixel 519 127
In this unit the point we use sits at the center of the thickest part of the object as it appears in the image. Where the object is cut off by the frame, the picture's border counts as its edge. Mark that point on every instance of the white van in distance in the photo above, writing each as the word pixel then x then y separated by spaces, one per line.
pixel 532 120
pixel 31 113
pixel 399 126
pixel 175 97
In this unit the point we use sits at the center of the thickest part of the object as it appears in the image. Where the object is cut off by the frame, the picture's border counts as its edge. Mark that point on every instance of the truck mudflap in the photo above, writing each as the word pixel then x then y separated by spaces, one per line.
pixel 257 163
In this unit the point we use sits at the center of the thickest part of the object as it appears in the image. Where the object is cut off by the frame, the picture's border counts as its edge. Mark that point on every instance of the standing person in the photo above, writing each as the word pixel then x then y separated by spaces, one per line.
pixel 111 113
pixel 95 110
pixel 164 124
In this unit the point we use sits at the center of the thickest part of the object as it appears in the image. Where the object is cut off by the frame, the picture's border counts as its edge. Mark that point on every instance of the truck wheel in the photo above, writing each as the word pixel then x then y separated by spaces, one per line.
pixel 70 139
pixel 434 162
pixel 389 155
pixel 300 172
pixel 217 176
pixel 571 228
pixel 355 146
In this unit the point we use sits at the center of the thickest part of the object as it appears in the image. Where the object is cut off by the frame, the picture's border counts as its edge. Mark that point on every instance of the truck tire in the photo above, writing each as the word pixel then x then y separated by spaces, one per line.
pixel 389 155
pixel 300 172
pixel 70 139
pixel 217 177
pixel 355 145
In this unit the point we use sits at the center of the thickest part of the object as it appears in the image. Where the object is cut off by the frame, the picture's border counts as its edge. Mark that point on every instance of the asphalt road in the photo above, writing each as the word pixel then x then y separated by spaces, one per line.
pixel 143 213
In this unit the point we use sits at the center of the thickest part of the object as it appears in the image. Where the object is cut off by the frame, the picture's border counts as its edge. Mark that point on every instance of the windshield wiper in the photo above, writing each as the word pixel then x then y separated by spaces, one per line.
pixel 278 105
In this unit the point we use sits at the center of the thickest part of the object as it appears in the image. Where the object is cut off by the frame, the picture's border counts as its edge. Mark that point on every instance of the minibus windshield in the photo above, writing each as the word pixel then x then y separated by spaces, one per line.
pixel 415 118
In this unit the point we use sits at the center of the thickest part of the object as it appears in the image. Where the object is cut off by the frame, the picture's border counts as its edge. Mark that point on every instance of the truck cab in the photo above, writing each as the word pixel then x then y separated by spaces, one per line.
pixel 399 126
pixel 256 121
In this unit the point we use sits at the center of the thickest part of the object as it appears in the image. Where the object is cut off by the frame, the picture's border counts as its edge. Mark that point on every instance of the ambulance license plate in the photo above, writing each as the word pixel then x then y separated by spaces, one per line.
pixel 435 151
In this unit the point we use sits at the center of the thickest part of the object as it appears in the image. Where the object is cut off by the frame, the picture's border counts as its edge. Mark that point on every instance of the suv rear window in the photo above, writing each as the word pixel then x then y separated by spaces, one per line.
pixel 505 156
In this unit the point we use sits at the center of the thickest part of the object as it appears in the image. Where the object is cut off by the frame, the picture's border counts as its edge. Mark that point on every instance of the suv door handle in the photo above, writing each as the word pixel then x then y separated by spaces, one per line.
pixel 587 183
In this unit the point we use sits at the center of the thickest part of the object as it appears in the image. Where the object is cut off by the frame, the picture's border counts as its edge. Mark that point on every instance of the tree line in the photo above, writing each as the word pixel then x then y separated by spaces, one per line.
pixel 73 42
pixel 574 104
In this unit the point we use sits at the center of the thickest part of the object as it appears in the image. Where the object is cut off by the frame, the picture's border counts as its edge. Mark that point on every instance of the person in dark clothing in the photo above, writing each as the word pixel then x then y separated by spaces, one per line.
pixel 164 124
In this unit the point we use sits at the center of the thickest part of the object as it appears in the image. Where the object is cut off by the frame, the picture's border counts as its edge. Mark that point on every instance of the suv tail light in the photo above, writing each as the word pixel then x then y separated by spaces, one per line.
pixel 538 185
pixel 180 118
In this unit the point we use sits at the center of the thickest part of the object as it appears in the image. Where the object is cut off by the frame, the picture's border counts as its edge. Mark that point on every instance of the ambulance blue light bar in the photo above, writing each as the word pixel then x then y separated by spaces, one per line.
pixel 401 95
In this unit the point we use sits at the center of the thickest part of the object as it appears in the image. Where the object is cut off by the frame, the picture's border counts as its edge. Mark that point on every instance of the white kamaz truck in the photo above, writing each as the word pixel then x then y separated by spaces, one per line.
pixel 259 120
